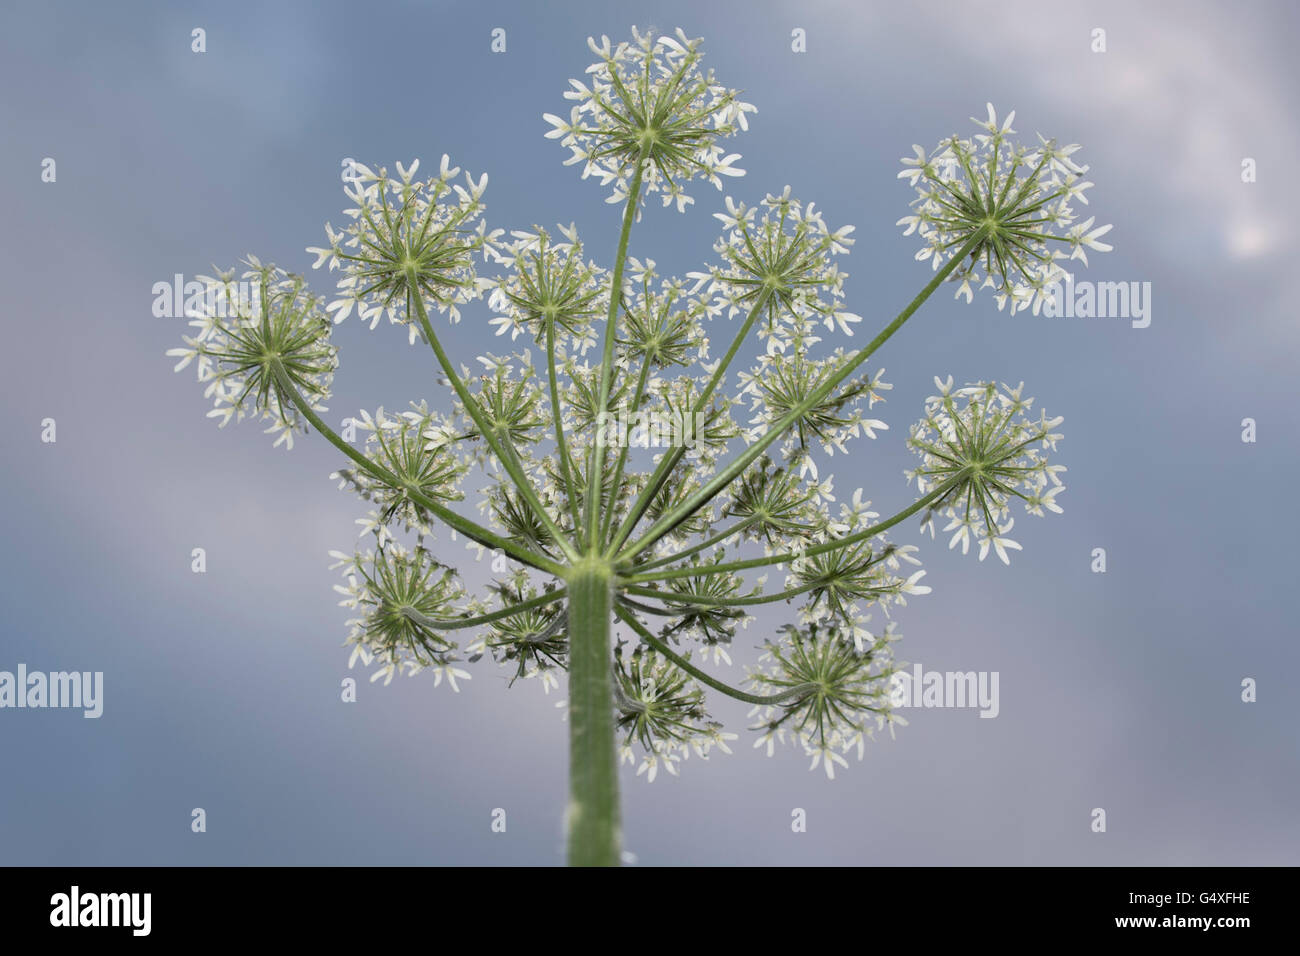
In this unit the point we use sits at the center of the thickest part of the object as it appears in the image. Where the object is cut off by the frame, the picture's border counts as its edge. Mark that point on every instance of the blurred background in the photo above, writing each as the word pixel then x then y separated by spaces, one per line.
pixel 1119 690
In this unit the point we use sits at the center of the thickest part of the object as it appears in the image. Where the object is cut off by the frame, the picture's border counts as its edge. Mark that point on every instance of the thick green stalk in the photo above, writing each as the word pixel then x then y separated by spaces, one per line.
pixel 595 474
pixel 593 814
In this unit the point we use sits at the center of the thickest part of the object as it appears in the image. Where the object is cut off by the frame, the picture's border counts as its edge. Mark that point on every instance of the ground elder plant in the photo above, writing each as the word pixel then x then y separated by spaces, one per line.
pixel 624 568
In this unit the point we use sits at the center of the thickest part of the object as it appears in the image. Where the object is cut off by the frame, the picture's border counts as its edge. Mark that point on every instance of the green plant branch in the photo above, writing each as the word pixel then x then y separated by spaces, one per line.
pixel 508 460
pixel 566 470
pixel 630 619
pixel 596 472
pixel 673 457
pixel 470 529
pixel 716 484
pixel 847 540
pixel 690 600
pixel 623 450
pixel 718 538
pixel 647 609
pixel 455 623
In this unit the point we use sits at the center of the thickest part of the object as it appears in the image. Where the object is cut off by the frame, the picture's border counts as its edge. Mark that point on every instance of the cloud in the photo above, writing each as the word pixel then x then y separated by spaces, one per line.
pixel 1182 100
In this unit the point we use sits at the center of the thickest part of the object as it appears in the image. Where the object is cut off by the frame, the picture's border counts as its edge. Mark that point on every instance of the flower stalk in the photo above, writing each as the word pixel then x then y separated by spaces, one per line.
pixel 593 812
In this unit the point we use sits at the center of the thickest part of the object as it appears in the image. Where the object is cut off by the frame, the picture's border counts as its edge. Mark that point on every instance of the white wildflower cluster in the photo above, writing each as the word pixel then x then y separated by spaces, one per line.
pixel 549 285
pixel 836 696
pixel 415 452
pixel 401 598
pixel 785 386
pixel 661 710
pixel 982 444
pixel 780 264
pixel 1015 198
pixel 842 581
pixel 408 238
pixel 249 350
pixel 534 642
pixel 663 323
pixel 649 107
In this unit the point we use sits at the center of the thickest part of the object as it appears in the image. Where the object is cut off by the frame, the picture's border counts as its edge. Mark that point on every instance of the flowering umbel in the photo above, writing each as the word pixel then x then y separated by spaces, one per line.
pixel 828 694
pixel 408 238
pixel 980 447
pixel 242 341
pixel 650 108
pixel 1005 207
pixel 641 489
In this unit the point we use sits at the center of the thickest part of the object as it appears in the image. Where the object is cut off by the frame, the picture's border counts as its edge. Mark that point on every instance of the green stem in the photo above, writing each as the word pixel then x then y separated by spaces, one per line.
pixel 701 676
pixel 718 538
pixel 505 456
pixel 671 459
pixel 553 382
pixel 690 600
pixel 716 484
pixel 455 623
pixel 596 473
pixel 593 814
pixel 465 526
pixel 626 435
pixel 730 567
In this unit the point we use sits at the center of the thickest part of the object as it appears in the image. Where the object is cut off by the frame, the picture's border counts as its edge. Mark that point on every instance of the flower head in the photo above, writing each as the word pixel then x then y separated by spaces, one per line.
pixel 787 385
pixel 249 346
pixel 661 710
pixel 834 693
pixel 981 444
pixel 782 262
pixel 662 326
pixel 400 597
pixel 774 503
pixel 650 107
pixel 407 239
pixel 1008 206
pixel 549 287
pixel 417 469
pixel 534 642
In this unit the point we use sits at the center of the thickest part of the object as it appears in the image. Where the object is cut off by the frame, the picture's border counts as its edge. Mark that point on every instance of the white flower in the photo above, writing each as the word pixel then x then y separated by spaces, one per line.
pixel 999 543
pixel 451 673
pixel 408 238
pixel 1081 238
pixel 827 758
pixel 650 107
pixel 1004 207
pixel 911 587
pixel 980 448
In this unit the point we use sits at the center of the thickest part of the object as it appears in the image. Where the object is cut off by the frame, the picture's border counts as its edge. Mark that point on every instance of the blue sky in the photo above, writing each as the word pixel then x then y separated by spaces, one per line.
pixel 1119 691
